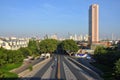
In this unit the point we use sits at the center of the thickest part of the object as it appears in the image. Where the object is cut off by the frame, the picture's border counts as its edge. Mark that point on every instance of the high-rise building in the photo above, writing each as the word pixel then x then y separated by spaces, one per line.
pixel 94 23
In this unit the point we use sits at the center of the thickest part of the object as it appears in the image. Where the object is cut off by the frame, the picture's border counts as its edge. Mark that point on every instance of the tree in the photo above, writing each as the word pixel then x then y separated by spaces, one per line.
pixel 3 56
pixel 26 51
pixel 105 55
pixel 48 45
pixel 69 46
pixel 99 50
pixel 33 46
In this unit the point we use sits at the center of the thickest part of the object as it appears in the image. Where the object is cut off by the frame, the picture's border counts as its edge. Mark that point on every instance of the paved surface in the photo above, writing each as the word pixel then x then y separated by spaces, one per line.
pixel 62 73
pixel 26 65
pixel 61 67
pixel 69 75
pixel 36 68
pixel 86 63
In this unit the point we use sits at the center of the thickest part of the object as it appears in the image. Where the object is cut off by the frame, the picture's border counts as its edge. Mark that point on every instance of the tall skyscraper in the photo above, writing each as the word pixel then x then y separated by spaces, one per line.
pixel 94 23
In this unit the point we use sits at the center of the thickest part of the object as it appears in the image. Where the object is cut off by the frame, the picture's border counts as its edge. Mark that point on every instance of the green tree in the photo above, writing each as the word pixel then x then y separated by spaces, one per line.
pixel 105 55
pixel 3 57
pixel 48 45
pixel 69 46
pixel 99 50
pixel 26 52
pixel 33 46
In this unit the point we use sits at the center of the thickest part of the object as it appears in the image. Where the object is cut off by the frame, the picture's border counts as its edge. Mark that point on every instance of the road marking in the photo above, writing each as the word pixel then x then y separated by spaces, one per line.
pixel 58 73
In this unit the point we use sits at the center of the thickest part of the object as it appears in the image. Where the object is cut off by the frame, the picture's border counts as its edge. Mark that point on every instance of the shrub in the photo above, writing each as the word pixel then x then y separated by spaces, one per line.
pixel 30 68
pixel 117 68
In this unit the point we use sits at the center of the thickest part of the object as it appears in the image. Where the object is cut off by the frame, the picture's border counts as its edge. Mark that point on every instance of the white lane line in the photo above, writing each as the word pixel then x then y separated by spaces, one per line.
pixel 80 70
pixel 69 75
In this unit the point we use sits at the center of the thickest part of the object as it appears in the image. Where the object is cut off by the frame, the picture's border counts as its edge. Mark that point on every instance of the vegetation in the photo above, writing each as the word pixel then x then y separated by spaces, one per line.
pixel 33 46
pixel 9 56
pixel 10 59
pixel 4 70
pixel 26 52
pixel 30 67
pixel 69 46
pixel 107 57
pixel 117 69
pixel 48 45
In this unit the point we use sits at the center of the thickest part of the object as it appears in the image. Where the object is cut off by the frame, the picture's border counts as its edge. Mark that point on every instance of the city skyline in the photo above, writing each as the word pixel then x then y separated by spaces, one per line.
pixel 28 18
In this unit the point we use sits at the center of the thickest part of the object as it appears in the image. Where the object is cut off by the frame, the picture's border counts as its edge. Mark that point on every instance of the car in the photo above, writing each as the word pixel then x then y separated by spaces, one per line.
pixel 88 57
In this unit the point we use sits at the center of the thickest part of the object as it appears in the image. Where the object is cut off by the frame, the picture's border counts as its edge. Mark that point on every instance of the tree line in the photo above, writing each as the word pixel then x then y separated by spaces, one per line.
pixel 16 56
pixel 36 48
pixel 109 57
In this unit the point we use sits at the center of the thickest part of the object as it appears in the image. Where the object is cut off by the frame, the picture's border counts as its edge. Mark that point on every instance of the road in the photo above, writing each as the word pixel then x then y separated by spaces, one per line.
pixel 26 65
pixel 86 62
pixel 65 68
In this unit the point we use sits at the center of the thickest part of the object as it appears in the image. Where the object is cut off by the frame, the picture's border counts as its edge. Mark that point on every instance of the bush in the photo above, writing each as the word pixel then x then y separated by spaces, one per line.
pixel 117 68
pixel 30 68
pixel 2 75
pixel 105 56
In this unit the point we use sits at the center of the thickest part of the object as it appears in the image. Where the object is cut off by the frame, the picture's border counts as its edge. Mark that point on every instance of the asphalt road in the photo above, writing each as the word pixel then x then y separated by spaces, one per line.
pixel 51 64
pixel 26 65
pixel 62 73
pixel 60 67
pixel 86 63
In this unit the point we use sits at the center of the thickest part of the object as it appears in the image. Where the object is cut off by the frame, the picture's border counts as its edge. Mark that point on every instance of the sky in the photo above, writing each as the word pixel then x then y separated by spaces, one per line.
pixel 40 17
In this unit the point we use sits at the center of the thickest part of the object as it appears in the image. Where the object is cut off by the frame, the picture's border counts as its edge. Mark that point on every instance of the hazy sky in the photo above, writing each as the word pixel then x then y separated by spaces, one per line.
pixel 38 17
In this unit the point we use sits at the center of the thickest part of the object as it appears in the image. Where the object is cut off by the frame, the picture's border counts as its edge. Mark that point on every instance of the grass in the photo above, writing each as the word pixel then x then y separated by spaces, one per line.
pixel 9 67
pixel 10 75
pixel 108 71
pixel 6 68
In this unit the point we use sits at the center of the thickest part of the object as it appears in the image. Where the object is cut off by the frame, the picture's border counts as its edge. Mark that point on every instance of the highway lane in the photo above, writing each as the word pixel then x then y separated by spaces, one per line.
pixel 53 74
pixel 89 71
pixel 75 71
pixel 62 73
pixel 48 71
pixel 71 71
pixel 69 75
pixel 87 63
pixel 67 70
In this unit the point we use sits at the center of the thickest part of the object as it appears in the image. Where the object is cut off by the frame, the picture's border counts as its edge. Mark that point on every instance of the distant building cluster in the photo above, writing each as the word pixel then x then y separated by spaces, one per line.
pixel 79 38
pixel 13 43
pixel 51 37
pixel 74 37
